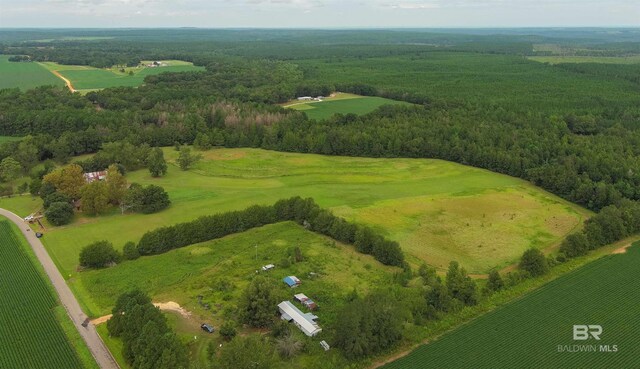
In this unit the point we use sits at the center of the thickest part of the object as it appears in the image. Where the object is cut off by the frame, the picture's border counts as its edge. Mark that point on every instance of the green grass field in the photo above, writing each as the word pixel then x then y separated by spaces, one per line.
pixel 85 78
pixel 528 333
pixel 438 211
pixel 220 270
pixel 31 333
pixel 4 139
pixel 634 59
pixel 25 75
pixel 342 104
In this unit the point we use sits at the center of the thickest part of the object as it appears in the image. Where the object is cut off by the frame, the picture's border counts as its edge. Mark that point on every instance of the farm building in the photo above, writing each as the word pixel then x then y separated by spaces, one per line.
pixel 305 98
pixel 304 300
pixel 95 176
pixel 291 281
pixel 306 322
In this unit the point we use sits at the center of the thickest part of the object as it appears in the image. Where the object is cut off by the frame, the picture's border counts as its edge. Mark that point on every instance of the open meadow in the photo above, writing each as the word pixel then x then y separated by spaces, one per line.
pixel 438 211
pixel 537 330
pixel 35 331
pixel 85 78
pixel 342 103
pixel 25 75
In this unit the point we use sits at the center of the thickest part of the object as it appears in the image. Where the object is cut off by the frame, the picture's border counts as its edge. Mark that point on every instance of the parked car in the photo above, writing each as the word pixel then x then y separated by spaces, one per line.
pixel 39 235
pixel 207 328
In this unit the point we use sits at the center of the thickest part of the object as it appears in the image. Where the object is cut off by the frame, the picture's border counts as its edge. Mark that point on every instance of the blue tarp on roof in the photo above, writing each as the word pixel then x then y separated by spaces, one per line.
pixel 291 281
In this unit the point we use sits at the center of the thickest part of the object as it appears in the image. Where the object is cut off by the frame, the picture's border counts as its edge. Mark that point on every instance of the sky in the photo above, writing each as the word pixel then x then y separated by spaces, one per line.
pixel 319 13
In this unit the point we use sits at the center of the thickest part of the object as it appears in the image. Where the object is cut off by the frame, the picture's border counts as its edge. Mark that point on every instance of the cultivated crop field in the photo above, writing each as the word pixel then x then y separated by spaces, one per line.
pixel 85 78
pixel 536 331
pixel 30 335
pixel 438 211
pixel 25 75
pixel 342 104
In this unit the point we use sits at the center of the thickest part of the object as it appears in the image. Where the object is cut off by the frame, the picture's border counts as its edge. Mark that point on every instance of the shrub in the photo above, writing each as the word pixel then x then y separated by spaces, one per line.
pixel 59 213
pixel 228 331
pixel 98 255
pixel 534 262
pixel 129 251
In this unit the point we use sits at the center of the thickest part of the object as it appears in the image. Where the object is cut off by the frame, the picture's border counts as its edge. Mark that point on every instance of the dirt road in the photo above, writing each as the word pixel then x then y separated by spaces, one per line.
pixel 66 81
pixel 97 347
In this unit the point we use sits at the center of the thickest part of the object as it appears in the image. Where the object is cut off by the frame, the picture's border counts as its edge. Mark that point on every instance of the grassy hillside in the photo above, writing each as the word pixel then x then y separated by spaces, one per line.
pixel 533 330
pixel 341 104
pixel 438 211
pixel 25 75
pixel 35 331
pixel 89 78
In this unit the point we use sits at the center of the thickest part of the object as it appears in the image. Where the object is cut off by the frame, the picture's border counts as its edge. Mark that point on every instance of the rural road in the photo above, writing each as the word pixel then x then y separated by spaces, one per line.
pixel 97 347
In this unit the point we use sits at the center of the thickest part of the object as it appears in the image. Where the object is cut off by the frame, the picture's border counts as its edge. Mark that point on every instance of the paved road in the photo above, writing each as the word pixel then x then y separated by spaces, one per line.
pixel 97 347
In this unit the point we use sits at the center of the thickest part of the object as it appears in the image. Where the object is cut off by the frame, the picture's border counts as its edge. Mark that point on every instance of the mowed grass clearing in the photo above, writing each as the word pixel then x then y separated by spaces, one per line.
pixel 439 211
pixel 4 139
pixel 35 331
pixel 342 104
pixel 86 78
pixel 25 75
pixel 536 330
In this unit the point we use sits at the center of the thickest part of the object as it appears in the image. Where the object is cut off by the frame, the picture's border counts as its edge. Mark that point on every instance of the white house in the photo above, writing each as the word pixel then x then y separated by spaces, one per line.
pixel 306 322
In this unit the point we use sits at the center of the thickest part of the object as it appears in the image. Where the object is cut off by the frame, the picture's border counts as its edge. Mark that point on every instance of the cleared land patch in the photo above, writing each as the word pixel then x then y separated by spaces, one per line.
pixel 85 78
pixel 25 75
pixel 537 329
pixel 438 211
pixel 31 335
pixel 342 104
pixel 634 59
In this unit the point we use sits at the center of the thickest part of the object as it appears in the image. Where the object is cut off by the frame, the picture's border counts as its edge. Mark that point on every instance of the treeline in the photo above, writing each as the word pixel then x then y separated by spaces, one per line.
pixel 302 211
pixel 147 339
pixel 611 224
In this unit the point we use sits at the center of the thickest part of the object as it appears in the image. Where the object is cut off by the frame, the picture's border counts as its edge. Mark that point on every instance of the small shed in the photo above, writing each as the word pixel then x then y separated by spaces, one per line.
pixel 304 300
pixel 291 281
pixel 95 176
pixel 268 267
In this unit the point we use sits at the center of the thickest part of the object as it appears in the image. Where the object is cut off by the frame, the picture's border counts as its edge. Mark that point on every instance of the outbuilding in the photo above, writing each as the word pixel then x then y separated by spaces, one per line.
pixel 291 281
pixel 306 322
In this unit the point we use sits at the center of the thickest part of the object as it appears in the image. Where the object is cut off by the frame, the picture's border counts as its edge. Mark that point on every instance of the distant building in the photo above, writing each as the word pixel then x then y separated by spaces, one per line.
pixel 305 98
pixel 291 281
pixel 306 322
pixel 95 176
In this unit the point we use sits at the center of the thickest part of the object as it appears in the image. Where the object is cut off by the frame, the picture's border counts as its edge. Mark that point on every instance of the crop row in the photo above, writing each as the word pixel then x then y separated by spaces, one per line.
pixel 30 335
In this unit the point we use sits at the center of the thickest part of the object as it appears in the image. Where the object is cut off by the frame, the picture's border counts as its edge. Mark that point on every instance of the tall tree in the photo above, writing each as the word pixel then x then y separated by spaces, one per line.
pixel 9 169
pixel 116 185
pixel 95 198
pixel 186 159
pixel 156 163
pixel 258 302
pixel 69 180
